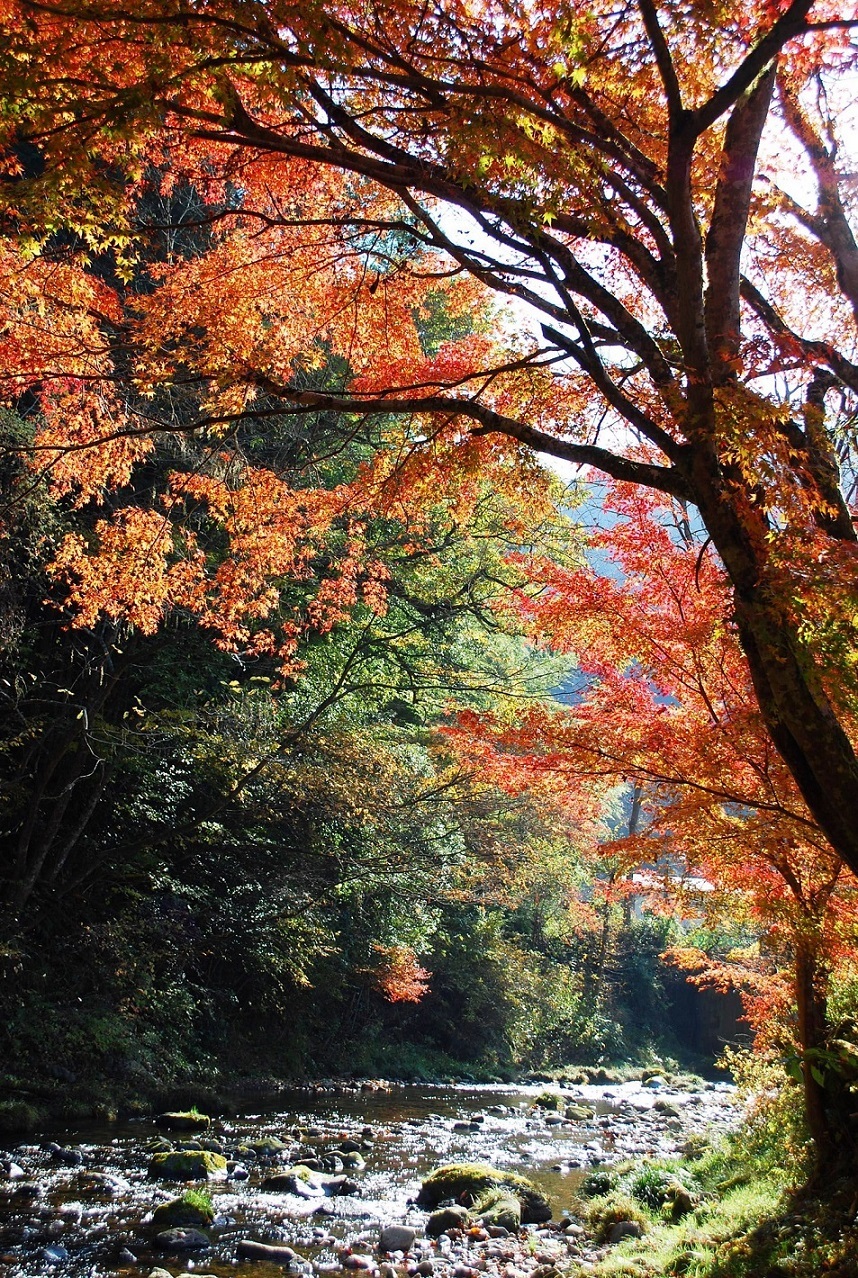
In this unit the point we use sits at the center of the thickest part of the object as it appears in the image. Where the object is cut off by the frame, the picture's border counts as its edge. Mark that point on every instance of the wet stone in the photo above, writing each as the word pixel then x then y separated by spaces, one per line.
pixel 276 1254
pixel 397 1238
pixel 181 1240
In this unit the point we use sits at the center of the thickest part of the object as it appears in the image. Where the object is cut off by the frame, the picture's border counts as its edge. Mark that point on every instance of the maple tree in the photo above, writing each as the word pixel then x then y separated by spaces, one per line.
pixel 626 172
pixel 664 700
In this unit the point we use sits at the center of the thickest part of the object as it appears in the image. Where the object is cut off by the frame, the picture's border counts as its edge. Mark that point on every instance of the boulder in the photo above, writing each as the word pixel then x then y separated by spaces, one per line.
pixel 465 1183
pixel 396 1238
pixel 188 1164
pixel 267 1147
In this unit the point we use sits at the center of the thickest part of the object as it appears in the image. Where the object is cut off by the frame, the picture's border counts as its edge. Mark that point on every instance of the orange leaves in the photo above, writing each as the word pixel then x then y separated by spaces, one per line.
pixel 398 975
pixel 130 578
pixel 143 564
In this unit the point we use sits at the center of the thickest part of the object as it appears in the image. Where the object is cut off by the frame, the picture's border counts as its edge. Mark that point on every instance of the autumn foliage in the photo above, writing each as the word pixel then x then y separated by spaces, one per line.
pixel 291 297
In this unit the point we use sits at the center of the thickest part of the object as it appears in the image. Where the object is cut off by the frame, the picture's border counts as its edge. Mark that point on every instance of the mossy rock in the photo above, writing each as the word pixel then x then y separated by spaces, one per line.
pixel 19 1116
pixel 192 1208
pixel 613 1209
pixel 579 1113
pixel 446 1218
pixel 185 1121
pixel 187 1164
pixel 465 1183
pixel 267 1146
pixel 499 1208
pixel 549 1100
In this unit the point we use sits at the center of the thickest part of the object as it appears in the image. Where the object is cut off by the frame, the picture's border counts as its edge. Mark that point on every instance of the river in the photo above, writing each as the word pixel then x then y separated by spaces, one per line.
pixel 76 1202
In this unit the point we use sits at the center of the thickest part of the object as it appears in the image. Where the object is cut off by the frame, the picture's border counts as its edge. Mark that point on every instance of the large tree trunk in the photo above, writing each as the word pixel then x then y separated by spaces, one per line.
pixel 812 1032
pixel 793 701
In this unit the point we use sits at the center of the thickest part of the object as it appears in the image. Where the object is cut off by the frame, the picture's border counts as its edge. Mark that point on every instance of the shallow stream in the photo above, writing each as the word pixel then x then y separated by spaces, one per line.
pixel 76 1201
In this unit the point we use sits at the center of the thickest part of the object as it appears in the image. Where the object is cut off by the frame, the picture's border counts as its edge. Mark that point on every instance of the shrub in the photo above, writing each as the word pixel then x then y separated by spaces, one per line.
pixel 597 1183
pixel 19 1116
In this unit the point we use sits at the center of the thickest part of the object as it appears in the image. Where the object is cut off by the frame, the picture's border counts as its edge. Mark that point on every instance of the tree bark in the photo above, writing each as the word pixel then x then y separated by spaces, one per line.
pixel 812 1025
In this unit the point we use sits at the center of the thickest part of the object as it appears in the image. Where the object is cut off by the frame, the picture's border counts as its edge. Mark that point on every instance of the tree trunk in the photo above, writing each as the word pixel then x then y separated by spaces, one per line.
pixel 812 1026
pixel 795 706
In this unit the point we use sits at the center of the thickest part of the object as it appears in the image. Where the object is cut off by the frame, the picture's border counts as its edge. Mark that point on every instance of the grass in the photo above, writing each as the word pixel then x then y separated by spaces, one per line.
pixel 749 1224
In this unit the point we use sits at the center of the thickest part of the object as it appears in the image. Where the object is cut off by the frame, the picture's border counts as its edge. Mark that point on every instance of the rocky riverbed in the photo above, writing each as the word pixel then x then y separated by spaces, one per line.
pixel 83 1202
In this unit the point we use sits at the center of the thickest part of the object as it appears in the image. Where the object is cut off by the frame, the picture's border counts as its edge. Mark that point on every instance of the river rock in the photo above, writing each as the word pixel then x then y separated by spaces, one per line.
pixel 181 1240
pixel 68 1157
pixel 499 1207
pixel 396 1237
pixel 353 1260
pixel 335 1185
pixel 293 1182
pixel 353 1160
pixel 54 1254
pixel 187 1164
pixel 101 1184
pixel 213 1146
pixel 190 1209
pixel 466 1182
pixel 157 1272
pixel 349 1146
pixel 268 1147
pixel 186 1121
pixel 274 1253
pixel 625 1229
pixel 446 1218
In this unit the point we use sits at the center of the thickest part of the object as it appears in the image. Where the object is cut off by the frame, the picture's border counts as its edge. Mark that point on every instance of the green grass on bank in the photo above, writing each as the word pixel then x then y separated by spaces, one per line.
pixel 746 1223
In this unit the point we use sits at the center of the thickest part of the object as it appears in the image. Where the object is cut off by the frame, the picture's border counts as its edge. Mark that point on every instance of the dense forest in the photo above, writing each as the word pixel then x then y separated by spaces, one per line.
pixel 340 735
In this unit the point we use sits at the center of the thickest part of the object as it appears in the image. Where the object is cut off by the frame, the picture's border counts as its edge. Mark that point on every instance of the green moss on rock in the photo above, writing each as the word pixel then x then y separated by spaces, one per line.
pixel 193 1208
pixel 187 1164
pixel 499 1207
pixel 267 1146
pixel 185 1121
pixel 550 1100
pixel 465 1183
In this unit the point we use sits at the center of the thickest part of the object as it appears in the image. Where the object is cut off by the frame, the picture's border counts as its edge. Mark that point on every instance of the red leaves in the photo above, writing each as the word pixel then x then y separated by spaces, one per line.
pixel 398 975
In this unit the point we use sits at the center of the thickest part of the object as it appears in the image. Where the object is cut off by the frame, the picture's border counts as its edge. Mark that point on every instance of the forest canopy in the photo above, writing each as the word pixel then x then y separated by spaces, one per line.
pixel 293 297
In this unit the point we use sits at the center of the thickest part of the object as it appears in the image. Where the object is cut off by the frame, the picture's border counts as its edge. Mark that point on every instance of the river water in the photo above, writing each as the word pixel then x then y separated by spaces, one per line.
pixel 91 1219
